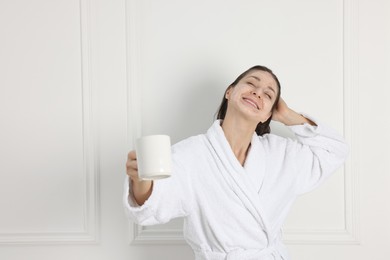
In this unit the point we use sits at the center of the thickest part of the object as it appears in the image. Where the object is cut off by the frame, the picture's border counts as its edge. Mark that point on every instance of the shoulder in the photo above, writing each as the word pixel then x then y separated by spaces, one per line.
pixel 272 140
pixel 276 144
pixel 186 154
pixel 189 145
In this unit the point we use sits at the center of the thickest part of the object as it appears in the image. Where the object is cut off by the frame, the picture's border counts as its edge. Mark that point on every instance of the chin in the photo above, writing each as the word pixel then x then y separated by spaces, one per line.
pixel 257 116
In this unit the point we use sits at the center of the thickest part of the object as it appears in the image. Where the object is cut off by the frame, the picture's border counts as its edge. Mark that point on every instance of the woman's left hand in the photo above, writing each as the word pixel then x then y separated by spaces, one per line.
pixel 281 111
pixel 287 116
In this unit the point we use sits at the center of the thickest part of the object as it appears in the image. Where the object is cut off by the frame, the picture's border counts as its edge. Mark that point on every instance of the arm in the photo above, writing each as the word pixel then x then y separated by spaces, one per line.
pixel 157 202
pixel 318 151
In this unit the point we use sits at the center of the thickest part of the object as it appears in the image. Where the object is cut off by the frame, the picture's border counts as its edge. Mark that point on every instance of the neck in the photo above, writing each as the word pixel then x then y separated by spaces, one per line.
pixel 238 133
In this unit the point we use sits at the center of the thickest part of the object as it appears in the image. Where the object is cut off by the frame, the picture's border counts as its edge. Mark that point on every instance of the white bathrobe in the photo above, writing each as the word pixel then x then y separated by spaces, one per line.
pixel 232 211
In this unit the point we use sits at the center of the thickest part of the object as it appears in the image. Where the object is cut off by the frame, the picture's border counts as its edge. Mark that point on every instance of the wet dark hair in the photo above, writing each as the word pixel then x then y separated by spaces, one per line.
pixel 263 127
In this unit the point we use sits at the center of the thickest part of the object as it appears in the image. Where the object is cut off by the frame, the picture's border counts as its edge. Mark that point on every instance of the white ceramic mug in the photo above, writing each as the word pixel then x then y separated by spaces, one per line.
pixel 154 157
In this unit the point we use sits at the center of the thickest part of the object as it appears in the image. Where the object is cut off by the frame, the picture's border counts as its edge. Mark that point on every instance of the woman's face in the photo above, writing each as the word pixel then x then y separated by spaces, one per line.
pixel 253 96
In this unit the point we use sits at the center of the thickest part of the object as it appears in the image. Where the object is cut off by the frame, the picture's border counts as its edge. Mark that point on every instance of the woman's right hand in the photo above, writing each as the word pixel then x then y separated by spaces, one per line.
pixel 132 166
pixel 141 189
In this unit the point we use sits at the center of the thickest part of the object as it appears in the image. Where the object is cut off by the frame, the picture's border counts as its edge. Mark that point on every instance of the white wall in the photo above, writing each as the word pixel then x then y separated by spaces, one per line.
pixel 81 79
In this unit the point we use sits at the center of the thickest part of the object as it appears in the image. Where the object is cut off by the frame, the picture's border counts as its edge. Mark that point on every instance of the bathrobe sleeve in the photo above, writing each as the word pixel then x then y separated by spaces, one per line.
pixel 318 152
pixel 170 199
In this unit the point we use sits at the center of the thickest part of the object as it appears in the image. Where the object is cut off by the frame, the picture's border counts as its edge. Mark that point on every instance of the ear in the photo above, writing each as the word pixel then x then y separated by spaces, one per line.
pixel 228 91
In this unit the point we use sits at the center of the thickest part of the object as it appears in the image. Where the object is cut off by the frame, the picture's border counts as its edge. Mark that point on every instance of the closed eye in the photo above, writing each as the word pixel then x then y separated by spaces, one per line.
pixel 253 85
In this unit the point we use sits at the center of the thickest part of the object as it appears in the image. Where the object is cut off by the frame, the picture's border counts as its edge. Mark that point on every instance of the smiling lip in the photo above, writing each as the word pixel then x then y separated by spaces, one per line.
pixel 252 102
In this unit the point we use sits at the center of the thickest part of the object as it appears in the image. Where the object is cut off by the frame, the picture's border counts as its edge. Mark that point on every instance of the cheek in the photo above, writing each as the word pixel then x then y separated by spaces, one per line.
pixel 269 105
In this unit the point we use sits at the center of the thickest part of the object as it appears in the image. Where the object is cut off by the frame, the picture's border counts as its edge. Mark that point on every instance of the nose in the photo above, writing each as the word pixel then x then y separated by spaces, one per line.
pixel 256 94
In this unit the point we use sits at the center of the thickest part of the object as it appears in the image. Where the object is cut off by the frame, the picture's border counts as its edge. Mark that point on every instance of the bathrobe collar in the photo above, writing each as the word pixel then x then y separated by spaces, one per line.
pixel 237 176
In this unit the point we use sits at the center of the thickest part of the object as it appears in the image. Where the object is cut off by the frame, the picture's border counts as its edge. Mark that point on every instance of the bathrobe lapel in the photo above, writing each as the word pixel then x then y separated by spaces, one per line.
pixel 237 176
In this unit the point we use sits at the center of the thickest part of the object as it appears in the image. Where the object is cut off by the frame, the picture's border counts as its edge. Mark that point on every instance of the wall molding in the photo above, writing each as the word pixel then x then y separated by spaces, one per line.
pixel 350 234
pixel 169 236
pixel 90 232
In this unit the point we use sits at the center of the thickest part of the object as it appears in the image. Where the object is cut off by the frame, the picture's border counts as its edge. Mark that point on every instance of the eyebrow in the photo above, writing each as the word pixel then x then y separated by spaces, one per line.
pixel 258 79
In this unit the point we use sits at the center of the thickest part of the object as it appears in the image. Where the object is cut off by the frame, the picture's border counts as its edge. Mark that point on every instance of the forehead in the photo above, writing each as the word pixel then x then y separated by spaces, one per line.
pixel 264 77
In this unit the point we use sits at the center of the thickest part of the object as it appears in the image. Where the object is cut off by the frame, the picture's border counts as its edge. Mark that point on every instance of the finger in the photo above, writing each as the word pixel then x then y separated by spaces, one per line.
pixel 281 101
pixel 132 165
pixel 132 155
pixel 132 173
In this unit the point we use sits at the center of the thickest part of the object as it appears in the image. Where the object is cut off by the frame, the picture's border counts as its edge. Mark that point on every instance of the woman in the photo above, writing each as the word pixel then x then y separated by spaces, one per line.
pixel 235 184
